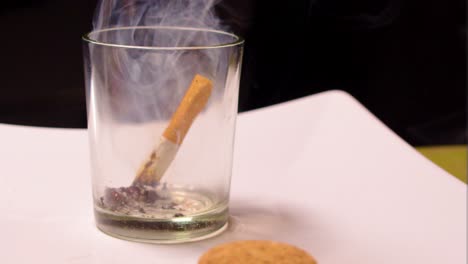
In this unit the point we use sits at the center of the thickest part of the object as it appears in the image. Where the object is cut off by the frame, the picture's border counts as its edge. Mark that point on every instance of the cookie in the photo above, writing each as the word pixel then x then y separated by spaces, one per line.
pixel 256 251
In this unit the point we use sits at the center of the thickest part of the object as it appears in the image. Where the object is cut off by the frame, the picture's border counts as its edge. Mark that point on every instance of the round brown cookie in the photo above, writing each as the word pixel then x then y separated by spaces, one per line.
pixel 256 251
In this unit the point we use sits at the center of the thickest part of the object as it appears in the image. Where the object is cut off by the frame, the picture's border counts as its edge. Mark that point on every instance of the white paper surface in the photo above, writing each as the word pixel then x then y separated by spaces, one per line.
pixel 320 172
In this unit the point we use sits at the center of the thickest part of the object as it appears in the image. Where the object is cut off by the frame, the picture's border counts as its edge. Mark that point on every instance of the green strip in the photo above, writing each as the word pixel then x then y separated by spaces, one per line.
pixel 451 158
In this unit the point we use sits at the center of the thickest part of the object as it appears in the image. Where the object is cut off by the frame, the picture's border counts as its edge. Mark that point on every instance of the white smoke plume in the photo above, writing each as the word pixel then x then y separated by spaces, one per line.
pixel 149 77
pixel 192 13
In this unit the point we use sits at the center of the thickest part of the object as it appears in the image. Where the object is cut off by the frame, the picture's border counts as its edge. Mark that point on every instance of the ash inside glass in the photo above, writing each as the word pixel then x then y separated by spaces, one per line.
pixel 159 202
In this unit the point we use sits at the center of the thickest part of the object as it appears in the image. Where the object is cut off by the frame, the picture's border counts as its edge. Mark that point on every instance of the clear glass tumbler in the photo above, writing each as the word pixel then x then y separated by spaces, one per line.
pixel 162 106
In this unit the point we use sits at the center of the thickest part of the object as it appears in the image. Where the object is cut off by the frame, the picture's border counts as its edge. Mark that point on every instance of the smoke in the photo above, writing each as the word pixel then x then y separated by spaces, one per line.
pixel 192 13
pixel 146 80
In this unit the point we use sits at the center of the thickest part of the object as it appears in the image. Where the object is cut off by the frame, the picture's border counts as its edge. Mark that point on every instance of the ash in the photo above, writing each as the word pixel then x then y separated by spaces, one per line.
pixel 151 202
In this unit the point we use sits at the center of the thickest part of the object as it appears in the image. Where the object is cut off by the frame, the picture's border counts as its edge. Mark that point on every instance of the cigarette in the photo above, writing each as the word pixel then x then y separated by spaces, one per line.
pixel 193 102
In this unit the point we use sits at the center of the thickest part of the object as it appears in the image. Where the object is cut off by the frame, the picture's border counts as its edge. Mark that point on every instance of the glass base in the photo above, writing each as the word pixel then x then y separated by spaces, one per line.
pixel 163 231
pixel 176 216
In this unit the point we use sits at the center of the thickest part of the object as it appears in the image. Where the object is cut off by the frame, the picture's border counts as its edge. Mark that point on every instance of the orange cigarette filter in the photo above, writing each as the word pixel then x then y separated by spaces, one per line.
pixel 191 105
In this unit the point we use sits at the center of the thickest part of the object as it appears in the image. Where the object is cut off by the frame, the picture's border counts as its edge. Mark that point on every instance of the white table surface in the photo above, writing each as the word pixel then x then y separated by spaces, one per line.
pixel 343 187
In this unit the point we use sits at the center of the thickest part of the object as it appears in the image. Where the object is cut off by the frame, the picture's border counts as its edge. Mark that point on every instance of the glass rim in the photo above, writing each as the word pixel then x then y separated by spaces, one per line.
pixel 237 39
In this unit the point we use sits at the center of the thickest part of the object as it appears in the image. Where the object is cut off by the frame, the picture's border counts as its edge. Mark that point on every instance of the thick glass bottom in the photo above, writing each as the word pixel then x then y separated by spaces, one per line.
pixel 176 216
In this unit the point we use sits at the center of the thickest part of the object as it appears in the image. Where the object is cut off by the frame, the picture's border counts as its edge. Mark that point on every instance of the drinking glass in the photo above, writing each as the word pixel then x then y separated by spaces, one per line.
pixel 139 82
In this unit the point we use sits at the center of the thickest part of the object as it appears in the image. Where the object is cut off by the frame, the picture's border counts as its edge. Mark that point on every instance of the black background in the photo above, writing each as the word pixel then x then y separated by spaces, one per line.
pixel 404 60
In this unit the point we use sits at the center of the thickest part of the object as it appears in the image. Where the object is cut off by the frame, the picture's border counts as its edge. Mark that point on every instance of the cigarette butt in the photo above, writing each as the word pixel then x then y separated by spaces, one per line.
pixel 194 100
